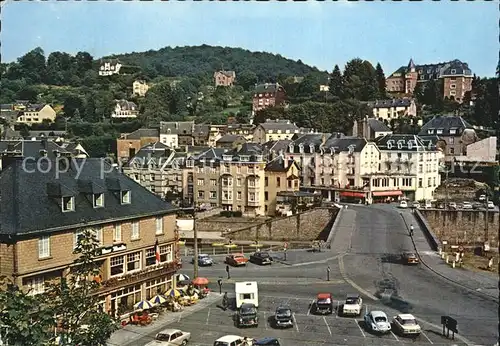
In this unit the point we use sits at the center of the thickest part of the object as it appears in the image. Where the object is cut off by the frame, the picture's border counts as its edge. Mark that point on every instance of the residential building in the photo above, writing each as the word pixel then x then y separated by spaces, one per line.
pixel 482 151
pixel 281 175
pixel 54 135
pixel 245 130
pixel 109 67
pixel 130 143
pixel 224 78
pixel 232 180
pixel 324 88
pixel 335 165
pixel 125 109
pixel 454 132
pixel 140 88
pixel 177 133
pixel 158 168
pixel 268 95
pixel 36 114
pixel 409 167
pixel 45 208
pixel 206 134
pixel 455 75
pixel 230 141
pixel 274 149
pixel 274 130
pixel 392 109
pixel 33 150
pixel 370 128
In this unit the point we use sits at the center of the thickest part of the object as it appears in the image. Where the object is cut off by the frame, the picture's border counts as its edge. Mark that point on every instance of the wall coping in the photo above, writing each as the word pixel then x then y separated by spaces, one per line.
pixel 424 225
pixel 334 226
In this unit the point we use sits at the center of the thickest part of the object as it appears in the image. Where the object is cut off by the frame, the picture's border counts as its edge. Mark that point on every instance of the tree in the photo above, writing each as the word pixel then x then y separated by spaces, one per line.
pixel 309 85
pixel 360 80
pixel 271 113
pixel 32 65
pixel 69 306
pixel 336 83
pixel 247 79
pixel 72 103
pixel 381 81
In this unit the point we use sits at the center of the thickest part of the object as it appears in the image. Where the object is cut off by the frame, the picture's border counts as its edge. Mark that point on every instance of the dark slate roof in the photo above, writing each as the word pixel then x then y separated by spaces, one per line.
pixel 248 149
pixel 313 143
pixel 278 165
pixel 177 127
pixel 267 88
pixel 228 73
pixel 212 154
pixel 229 138
pixel 34 107
pixel 445 123
pixel 201 130
pixel 429 140
pixel 279 124
pixel 27 207
pixel 156 154
pixel 276 146
pixel 127 105
pixel 405 102
pixel 6 107
pixel 345 144
pixel 378 126
pixel 398 142
pixel 142 133
pixel 439 70
pixel 35 149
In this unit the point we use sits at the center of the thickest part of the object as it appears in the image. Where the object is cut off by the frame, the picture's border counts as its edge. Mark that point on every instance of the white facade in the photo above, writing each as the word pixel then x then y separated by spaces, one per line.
pixel 140 88
pixel 108 69
pixel 125 110
pixel 170 139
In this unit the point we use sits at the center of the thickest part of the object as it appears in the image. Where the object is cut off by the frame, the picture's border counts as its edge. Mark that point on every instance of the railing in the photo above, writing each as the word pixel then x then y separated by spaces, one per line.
pixel 245 249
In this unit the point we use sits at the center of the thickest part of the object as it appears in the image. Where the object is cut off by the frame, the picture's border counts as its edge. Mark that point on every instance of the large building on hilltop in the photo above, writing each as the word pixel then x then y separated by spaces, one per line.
pixel 456 76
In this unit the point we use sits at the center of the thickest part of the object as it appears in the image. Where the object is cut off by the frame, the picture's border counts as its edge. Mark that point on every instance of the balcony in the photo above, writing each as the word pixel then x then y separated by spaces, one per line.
pixel 253 203
pixel 227 199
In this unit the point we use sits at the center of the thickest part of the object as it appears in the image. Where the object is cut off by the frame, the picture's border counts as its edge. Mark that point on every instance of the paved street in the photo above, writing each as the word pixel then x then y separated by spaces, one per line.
pixel 363 259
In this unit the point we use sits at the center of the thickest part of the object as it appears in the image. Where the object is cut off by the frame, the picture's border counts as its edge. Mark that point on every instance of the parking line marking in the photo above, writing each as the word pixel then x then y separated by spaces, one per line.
pixel 427 338
pixel 265 320
pixel 208 316
pixel 295 322
pixel 361 330
pixel 310 307
pixel 180 316
pixel 338 309
pixel 327 326
pixel 394 335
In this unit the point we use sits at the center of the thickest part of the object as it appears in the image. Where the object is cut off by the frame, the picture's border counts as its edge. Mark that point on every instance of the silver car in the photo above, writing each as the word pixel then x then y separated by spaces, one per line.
pixel 377 322
pixel 170 337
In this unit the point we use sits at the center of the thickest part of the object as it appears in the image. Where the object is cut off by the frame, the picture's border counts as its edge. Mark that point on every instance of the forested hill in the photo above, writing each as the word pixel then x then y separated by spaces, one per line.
pixel 202 61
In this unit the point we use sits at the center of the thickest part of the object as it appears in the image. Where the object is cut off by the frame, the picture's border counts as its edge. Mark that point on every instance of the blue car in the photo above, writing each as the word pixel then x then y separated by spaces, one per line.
pixel 204 260
pixel 267 341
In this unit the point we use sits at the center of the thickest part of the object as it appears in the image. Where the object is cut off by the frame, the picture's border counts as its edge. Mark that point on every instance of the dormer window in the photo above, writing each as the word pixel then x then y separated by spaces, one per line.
pixel 453 71
pixel 259 158
pixel 290 148
pixel 227 157
pixel 189 163
pixel 410 144
pixel 245 158
pixel 311 148
pixel 430 132
pixel 332 151
pixel 301 148
pixel 68 203
pixel 389 145
pixel 439 131
pixel 98 200
pixel 400 145
pixel 125 197
pixel 453 131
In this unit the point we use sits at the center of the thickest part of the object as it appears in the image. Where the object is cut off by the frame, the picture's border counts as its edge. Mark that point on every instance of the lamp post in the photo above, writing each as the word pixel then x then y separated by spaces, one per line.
pixel 195 239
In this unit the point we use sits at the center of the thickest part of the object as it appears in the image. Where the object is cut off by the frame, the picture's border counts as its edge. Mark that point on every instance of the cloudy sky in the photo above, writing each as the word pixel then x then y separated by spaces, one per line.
pixel 319 33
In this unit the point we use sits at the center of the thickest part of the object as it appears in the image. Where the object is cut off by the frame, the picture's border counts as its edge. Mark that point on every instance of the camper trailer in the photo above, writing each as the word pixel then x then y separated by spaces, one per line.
pixel 246 292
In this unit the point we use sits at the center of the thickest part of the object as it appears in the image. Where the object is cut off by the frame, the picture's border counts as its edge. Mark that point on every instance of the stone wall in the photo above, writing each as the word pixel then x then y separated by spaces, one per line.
pixel 301 227
pixel 223 224
pixel 463 227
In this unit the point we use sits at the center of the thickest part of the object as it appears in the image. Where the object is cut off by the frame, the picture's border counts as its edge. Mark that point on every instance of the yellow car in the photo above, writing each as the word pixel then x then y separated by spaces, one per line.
pixel 410 258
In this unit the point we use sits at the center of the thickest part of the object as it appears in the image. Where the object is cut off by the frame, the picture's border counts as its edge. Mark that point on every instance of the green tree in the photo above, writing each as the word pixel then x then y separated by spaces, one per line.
pixel 72 103
pixel 247 79
pixel 381 81
pixel 271 113
pixel 360 80
pixel 336 83
pixel 309 86
pixel 32 64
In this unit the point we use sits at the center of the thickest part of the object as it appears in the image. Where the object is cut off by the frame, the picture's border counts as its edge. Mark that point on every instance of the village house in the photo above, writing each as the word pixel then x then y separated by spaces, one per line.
pixel 206 134
pixel 44 214
pixel 130 143
pixel 224 78
pixel 392 109
pixel 230 141
pixel 177 133
pixel 140 88
pixel 268 95
pixel 109 67
pixel 274 130
pixel 370 128
pixel 125 109
pixel 36 114
pixel 455 75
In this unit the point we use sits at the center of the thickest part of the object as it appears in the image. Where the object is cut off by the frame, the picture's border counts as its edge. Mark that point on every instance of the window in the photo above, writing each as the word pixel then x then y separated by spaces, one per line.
pixel 278 181
pixel 213 182
pixel 266 195
pixel 420 182
pixel 98 200
pixel 251 182
pixel 200 182
pixel 152 177
pixel 453 71
pixel 266 181
pixel 238 169
pixel 201 194
pixel 238 182
pixel 133 261
pixel 452 151
pixel 125 197
pixel 68 204
pixel 251 197
pixel 117 235
pixel 453 86
pixel 453 92
pixel 36 285
pixel 116 265
pixel 226 182
pixel 166 253
pixel 44 247
pixel 213 195
pixel 135 230
pixel 159 225
pixel 238 195
pixel 453 131
pixel 429 182
pixel 451 140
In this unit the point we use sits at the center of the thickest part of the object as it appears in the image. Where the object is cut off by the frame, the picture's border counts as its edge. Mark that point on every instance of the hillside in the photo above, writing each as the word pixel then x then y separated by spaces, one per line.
pixel 202 61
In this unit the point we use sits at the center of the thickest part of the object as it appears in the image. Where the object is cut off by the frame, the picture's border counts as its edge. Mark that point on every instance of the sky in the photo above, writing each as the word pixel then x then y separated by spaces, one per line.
pixel 321 34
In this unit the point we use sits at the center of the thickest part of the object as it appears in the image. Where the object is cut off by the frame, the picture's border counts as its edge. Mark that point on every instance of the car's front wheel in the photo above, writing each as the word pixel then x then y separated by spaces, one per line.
pixel 184 342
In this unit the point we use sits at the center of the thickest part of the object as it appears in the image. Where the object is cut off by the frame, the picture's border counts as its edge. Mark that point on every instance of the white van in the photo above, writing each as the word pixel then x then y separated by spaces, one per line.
pixel 246 292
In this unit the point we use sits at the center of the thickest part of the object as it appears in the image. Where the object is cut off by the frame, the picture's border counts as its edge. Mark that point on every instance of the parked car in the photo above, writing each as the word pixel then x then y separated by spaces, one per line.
pixel 428 204
pixel 236 260
pixel 490 205
pixel 482 198
pixel 406 324
pixel 283 317
pixel 230 340
pixel 170 337
pixel 467 205
pixel 261 258
pixel 247 316
pixel 204 260
pixel 409 258
pixel 403 204
pixel 352 305
pixel 377 321
pixel 452 205
pixel 267 342
pixel 323 305
pixel 416 205
pixel 440 206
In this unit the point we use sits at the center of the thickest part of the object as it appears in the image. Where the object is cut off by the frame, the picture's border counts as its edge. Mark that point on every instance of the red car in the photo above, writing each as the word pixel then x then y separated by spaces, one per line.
pixel 237 260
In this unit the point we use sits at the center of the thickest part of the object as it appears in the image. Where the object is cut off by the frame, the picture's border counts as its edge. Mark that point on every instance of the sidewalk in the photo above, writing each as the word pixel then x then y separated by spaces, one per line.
pixel 130 335
pixel 483 282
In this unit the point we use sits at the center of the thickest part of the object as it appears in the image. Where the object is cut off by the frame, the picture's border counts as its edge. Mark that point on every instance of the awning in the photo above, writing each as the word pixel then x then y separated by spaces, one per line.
pixel 352 194
pixel 387 193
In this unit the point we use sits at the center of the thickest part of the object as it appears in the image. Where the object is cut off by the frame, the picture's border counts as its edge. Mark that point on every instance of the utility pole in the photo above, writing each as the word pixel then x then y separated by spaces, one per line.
pixel 486 236
pixel 195 238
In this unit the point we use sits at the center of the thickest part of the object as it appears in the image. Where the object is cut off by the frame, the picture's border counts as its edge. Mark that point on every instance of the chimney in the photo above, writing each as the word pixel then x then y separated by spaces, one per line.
pixel 285 161
pixel 323 138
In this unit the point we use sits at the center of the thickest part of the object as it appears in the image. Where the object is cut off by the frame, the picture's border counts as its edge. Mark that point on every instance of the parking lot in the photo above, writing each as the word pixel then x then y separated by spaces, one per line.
pixel 209 324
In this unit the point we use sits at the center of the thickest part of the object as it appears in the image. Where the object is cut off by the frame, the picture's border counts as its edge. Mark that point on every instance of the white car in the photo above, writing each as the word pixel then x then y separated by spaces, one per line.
pixel 377 321
pixel 170 337
pixel 406 324
pixel 352 305
pixel 230 340
pixel 467 205
pixel 490 205
pixel 416 205
pixel 428 205
pixel 403 204
pixel 482 198
pixel 452 205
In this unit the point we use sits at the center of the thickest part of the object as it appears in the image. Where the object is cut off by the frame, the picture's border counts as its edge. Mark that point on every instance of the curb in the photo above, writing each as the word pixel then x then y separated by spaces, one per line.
pixel 333 230
pixel 472 290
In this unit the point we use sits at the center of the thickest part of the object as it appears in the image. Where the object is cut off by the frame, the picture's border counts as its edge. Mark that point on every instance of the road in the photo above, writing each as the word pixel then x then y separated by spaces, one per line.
pixel 362 259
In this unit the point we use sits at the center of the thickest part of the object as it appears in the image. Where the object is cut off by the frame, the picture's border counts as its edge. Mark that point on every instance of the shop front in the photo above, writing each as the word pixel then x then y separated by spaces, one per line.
pixel 353 196
pixel 387 196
